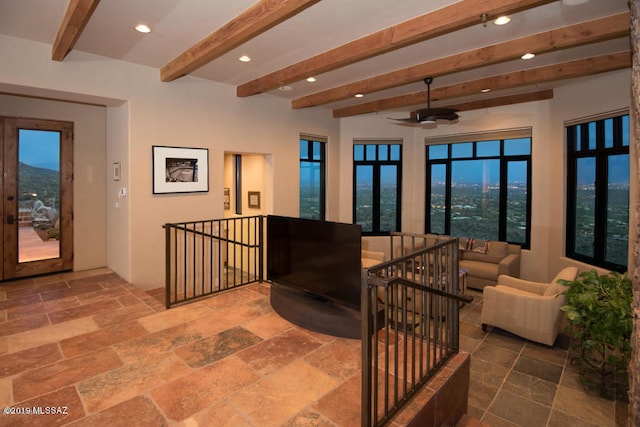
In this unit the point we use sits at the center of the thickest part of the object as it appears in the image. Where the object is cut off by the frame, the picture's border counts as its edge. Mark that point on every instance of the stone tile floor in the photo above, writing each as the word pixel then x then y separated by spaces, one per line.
pixel 515 382
pixel 96 351
pixel 111 355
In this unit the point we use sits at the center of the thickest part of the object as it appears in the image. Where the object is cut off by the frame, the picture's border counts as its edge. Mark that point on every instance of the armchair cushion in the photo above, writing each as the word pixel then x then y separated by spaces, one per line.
pixel 524 285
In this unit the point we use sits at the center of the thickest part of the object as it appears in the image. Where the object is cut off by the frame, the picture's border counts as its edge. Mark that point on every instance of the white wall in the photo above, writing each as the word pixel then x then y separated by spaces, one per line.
pixel 189 112
pixel 589 96
pixel 117 205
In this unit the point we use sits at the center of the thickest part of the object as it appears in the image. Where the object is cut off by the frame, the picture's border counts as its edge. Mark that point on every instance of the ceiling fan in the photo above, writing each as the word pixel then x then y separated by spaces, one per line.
pixel 430 115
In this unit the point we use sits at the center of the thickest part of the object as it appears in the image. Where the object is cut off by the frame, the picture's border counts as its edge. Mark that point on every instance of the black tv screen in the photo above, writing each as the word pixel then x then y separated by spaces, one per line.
pixel 321 258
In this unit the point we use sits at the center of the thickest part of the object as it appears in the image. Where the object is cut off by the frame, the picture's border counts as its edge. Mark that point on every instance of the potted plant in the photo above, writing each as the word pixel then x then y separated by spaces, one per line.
pixel 599 313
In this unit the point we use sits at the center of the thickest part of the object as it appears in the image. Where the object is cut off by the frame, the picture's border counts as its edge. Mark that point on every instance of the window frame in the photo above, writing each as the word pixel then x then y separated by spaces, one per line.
pixel 504 159
pixel 377 164
pixel 600 153
pixel 322 161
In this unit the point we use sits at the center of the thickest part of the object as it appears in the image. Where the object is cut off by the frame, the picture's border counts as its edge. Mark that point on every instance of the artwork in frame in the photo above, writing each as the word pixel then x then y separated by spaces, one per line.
pixel 254 199
pixel 227 198
pixel 116 171
pixel 180 170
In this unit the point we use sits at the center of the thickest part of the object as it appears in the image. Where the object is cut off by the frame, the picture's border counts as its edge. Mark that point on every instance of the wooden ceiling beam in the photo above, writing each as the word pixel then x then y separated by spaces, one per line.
pixel 611 27
pixel 75 19
pixel 504 100
pixel 257 19
pixel 566 70
pixel 445 20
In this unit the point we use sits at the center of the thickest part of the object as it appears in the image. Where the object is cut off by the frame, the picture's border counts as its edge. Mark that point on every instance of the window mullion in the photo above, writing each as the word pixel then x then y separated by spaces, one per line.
pixel 600 223
pixel 376 197
pixel 447 200
pixel 502 214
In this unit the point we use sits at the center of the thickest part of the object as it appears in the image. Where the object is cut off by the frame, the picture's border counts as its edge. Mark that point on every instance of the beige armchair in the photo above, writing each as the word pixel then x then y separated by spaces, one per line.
pixel 528 309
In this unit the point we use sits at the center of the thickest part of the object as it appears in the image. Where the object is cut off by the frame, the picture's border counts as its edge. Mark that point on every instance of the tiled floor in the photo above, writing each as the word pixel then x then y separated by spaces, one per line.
pixel 515 382
pixel 106 353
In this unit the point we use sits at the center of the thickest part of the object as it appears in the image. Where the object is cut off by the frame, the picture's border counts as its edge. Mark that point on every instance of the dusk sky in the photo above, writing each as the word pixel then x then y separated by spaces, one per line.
pixel 39 148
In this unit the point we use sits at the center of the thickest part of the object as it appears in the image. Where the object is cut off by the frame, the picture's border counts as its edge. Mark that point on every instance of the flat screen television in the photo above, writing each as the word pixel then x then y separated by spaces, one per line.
pixel 321 258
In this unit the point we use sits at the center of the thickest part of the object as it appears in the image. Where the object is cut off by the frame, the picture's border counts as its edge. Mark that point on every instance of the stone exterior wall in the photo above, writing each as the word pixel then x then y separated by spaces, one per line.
pixel 634 364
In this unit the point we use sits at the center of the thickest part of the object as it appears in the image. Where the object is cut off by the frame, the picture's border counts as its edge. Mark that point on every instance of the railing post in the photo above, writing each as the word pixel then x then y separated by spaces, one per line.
pixel 365 342
pixel 167 268
pixel 455 321
pixel 261 248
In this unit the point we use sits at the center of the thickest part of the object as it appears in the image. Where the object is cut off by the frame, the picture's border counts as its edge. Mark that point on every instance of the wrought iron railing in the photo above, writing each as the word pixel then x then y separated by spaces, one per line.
pixel 410 328
pixel 206 257
pixel 410 305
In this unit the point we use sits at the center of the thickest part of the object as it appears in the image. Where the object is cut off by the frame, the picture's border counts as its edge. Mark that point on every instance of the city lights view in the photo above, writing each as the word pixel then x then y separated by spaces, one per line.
pixel 474 183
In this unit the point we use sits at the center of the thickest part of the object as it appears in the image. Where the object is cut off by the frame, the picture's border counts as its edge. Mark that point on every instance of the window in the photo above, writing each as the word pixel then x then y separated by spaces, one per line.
pixel 598 192
pixel 312 177
pixel 377 185
pixel 480 188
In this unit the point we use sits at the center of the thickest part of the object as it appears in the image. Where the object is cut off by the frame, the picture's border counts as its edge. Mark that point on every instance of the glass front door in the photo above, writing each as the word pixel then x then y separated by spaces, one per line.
pixel 37 190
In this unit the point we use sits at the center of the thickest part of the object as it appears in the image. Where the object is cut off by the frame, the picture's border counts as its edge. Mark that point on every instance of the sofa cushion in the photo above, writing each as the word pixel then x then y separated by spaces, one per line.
pixel 431 240
pixel 495 253
pixel 371 258
pixel 480 269
pixel 473 245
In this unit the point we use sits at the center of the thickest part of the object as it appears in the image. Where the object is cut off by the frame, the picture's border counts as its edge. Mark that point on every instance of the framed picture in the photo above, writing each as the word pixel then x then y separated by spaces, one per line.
pixel 254 199
pixel 116 171
pixel 227 198
pixel 180 170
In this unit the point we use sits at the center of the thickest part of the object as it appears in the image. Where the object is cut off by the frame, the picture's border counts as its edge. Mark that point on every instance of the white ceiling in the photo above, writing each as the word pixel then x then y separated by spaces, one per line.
pixel 177 24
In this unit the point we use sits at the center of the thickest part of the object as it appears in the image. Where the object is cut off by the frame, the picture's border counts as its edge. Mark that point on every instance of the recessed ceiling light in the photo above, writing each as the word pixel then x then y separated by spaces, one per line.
pixel 285 88
pixel 142 28
pixel 502 20
pixel 485 90
pixel 311 79
pixel 528 56
pixel 244 58
pixel 573 2
pixel 358 95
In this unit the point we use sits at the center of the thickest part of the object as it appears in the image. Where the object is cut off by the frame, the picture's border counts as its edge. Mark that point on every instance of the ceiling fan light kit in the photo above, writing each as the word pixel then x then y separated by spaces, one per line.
pixel 431 115
pixel 573 2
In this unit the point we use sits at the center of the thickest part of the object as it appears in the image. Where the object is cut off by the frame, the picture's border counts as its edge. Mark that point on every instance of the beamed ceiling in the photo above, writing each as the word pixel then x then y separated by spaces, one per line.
pixel 382 49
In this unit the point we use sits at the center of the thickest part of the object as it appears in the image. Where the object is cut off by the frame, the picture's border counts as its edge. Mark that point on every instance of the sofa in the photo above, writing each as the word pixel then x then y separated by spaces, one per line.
pixel 486 260
pixel 483 260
